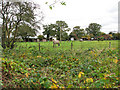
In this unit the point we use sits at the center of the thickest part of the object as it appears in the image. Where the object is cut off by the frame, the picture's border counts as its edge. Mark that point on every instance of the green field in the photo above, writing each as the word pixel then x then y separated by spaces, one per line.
pixel 66 45
pixel 89 64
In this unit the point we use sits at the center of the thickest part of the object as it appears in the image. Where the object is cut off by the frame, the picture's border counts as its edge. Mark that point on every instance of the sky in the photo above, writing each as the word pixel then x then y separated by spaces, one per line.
pixel 82 13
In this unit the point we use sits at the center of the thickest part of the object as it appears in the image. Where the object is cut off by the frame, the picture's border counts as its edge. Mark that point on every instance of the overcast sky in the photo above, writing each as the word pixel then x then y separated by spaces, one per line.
pixel 83 12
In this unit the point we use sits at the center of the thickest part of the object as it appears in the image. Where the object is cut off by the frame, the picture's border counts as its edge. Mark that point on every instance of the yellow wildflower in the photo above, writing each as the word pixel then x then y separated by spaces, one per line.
pixel 3 58
pixel 95 55
pixel 62 55
pixel 92 52
pixel 38 56
pixel 103 86
pixel 29 69
pixel 89 80
pixel 54 86
pixel 117 78
pixel 54 81
pixel 80 74
pixel 13 54
pixel 105 76
pixel 31 80
pixel 115 61
pixel 76 59
pixel 27 74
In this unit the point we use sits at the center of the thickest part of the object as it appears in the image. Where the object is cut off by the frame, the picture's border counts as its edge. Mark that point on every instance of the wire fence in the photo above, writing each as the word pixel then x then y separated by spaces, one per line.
pixel 69 45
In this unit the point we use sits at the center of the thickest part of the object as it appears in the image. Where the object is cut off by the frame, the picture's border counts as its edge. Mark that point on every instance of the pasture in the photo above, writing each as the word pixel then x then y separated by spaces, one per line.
pixel 89 64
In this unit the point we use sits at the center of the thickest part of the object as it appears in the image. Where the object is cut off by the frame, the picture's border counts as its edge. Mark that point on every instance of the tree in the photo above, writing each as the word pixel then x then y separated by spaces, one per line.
pixel 65 36
pixel 102 33
pixel 25 31
pixel 77 32
pixel 40 37
pixel 12 15
pixel 115 36
pixel 49 30
pixel 61 27
pixel 94 29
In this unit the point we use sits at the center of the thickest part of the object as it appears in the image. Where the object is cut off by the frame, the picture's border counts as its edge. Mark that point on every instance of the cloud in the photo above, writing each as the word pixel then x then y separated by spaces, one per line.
pixel 82 13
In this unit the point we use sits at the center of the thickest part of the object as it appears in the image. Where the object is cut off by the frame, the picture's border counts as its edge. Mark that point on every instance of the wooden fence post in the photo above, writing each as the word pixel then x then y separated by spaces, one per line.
pixel 109 44
pixel 71 45
pixel 39 46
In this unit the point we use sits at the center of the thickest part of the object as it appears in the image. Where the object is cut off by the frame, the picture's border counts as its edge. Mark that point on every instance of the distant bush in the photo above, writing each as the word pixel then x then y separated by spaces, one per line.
pixel 100 38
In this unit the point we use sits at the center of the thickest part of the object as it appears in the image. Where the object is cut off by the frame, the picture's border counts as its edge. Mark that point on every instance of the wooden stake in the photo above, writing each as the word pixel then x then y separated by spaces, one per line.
pixel 71 45
pixel 39 46
pixel 109 44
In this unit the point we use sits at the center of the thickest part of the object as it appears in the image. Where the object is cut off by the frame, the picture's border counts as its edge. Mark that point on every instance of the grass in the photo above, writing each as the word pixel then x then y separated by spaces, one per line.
pixel 66 45
pixel 90 64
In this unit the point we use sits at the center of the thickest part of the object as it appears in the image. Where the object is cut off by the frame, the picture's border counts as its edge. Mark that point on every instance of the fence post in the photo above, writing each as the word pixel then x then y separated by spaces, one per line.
pixel 71 45
pixel 109 44
pixel 39 46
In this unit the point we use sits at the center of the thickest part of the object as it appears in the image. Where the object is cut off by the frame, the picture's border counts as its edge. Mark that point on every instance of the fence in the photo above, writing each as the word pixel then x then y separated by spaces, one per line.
pixel 71 45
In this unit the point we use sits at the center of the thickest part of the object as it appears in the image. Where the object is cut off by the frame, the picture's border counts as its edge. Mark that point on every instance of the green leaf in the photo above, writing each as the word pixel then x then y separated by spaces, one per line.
pixel 63 3
pixel 34 80
pixel 6 70
pixel 46 2
pixel 50 7
pixel 62 75
pixel 70 86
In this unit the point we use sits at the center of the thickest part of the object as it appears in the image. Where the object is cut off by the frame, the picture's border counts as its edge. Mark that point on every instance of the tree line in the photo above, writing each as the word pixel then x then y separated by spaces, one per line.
pixel 60 30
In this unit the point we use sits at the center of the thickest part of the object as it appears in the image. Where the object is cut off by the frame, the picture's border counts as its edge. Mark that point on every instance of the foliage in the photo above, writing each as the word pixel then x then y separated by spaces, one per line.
pixel 115 36
pixel 53 3
pixel 100 38
pixel 13 16
pixel 25 31
pixel 64 36
pixel 102 33
pixel 77 33
pixel 49 30
pixel 94 29
pixel 58 30
pixel 62 27
pixel 92 67
pixel 40 37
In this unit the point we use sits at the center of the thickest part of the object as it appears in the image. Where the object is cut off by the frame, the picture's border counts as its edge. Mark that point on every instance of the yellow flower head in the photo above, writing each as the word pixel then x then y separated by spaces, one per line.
pixel 88 80
pixel 3 58
pixel 38 56
pixel 13 54
pixel 80 74
pixel 115 61
pixel 76 59
pixel 95 55
pixel 54 86
pixel 54 81
pixel 26 74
